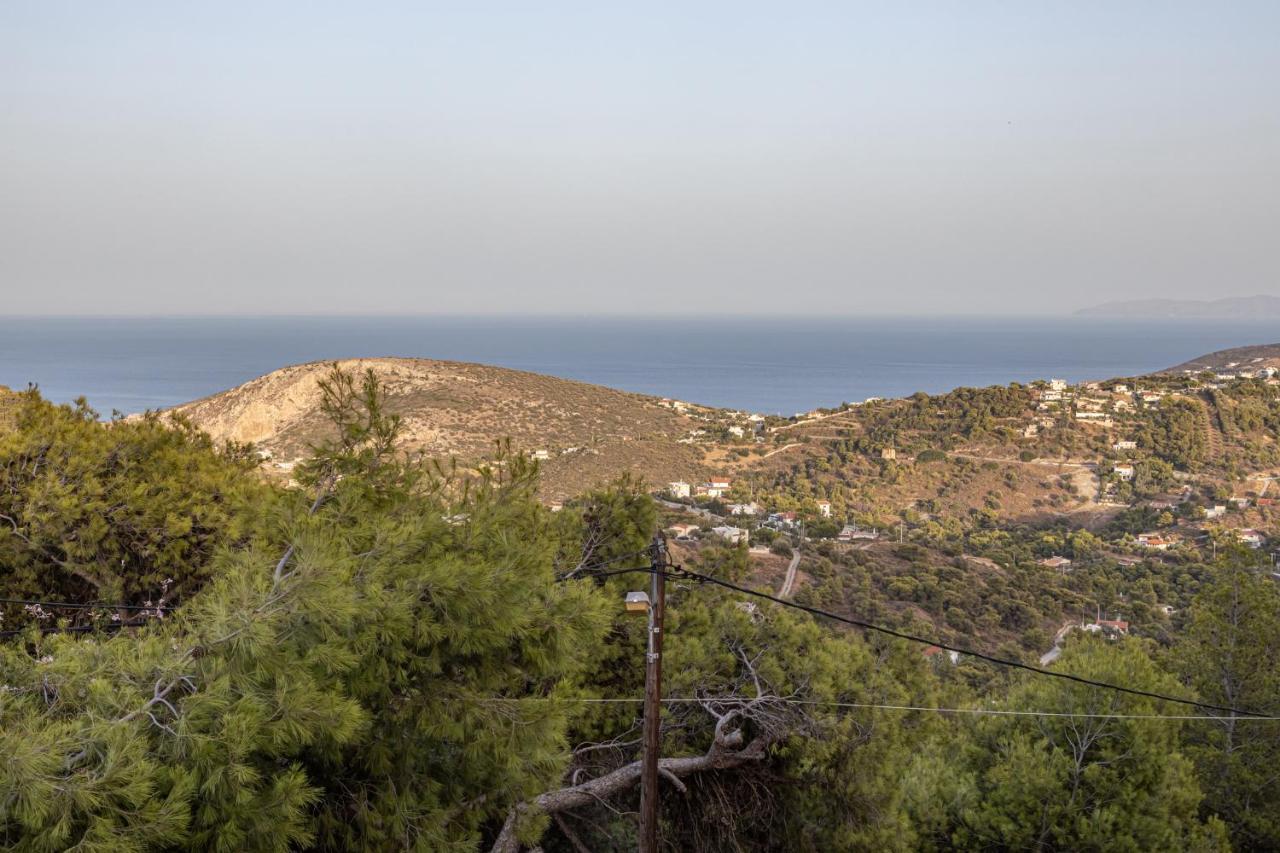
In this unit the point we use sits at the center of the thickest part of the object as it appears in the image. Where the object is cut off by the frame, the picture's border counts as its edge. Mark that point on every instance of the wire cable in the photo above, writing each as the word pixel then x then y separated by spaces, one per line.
pixel 74 605
pixel 822 703
pixel 678 573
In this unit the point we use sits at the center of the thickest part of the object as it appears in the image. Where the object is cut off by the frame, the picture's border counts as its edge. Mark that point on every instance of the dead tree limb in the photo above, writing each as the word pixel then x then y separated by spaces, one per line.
pixel 730 749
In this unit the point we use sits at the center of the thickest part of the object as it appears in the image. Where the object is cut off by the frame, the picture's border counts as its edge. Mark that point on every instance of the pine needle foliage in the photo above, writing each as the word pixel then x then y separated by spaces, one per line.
pixel 339 698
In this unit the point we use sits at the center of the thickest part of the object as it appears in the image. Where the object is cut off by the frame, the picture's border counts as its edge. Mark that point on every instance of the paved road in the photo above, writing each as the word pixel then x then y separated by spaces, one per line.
pixel 696 510
pixel 1052 655
pixel 791 576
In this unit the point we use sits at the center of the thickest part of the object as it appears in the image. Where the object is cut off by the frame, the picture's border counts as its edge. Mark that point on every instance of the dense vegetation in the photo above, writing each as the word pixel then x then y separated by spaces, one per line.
pixel 407 655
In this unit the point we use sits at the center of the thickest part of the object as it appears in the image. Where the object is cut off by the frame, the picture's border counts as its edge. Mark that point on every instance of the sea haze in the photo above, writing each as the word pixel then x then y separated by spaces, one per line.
pixel 783 365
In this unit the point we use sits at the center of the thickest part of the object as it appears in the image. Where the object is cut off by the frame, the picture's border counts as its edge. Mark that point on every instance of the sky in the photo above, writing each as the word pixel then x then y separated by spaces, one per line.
pixel 835 158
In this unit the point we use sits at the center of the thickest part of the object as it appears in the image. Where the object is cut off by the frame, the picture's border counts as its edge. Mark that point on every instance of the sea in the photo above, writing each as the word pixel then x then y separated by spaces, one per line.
pixel 782 365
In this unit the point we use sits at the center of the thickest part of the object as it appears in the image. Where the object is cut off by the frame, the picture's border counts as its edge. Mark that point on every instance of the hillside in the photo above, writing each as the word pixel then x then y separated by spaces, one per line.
pixel 591 434
pixel 1234 359
pixel 1236 307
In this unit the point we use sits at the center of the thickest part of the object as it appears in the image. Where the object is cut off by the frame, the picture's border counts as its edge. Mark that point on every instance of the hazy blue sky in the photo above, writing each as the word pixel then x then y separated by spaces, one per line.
pixel 840 157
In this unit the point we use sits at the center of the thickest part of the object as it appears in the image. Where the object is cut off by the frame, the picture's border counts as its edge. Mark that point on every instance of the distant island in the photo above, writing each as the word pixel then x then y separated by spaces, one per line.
pixel 1235 307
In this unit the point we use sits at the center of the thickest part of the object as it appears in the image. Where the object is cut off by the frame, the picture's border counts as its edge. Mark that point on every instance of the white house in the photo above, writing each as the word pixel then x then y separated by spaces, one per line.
pixel 540 455
pixel 736 431
pixel 1124 472
pixel 824 509
pixel 1125 444
pixel 1252 538
pixel 744 509
pixel 679 489
pixel 733 535
pixel 1215 511
pixel 1058 384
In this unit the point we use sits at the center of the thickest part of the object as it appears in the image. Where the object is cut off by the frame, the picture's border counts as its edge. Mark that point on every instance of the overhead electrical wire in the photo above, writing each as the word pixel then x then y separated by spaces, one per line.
pixel 680 573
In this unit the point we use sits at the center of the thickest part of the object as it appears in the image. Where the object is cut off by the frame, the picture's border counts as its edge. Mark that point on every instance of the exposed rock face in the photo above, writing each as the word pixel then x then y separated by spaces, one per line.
pixel 589 433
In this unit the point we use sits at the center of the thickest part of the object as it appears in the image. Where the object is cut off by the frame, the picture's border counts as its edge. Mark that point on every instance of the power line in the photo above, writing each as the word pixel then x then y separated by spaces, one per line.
pixel 823 703
pixel 75 605
pixel 77 629
pixel 679 572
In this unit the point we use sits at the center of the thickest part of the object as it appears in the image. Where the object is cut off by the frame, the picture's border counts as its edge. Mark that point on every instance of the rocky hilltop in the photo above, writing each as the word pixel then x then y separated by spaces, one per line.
pixel 586 434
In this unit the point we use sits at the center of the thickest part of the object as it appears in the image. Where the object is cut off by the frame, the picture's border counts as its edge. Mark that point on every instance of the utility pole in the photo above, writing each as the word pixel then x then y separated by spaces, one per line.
pixel 653 700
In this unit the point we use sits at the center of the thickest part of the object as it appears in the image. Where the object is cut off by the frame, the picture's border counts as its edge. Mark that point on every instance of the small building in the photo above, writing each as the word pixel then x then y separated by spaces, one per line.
pixel 540 455
pixel 722 483
pixel 888 453
pixel 1058 564
pixel 937 653
pixel 737 431
pixel 851 533
pixel 1058 384
pixel 1111 628
pixel 1252 538
pixel 1215 511
pixel 1125 444
pixel 824 509
pixel 783 520
pixel 678 489
pixel 1030 431
pixel 732 535
pixel 1157 541
pixel 1123 471
pixel 1239 503
pixel 744 509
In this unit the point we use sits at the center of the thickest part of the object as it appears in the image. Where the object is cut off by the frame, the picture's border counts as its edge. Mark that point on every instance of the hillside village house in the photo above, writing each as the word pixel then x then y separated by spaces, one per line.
pixel 732 535
pixel 1058 384
pixel 1058 564
pixel 1215 511
pixel 1125 444
pixel 888 453
pixel 1157 541
pixel 1252 538
pixel 782 520
pixel 824 509
pixel 714 488
pixel 1110 628
pixel 540 455
pixel 850 533
pixel 1124 471
pixel 933 653
pixel 744 509
pixel 679 489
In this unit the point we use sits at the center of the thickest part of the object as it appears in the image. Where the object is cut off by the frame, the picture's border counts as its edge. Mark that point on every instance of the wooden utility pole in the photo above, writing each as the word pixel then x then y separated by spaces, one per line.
pixel 653 700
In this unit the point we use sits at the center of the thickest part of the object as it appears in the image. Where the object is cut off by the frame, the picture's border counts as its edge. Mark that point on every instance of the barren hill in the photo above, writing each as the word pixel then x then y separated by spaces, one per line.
pixel 1236 358
pixel 591 434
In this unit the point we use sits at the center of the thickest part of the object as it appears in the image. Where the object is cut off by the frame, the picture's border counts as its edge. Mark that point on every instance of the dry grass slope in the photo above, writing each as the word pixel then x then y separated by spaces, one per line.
pixel 452 409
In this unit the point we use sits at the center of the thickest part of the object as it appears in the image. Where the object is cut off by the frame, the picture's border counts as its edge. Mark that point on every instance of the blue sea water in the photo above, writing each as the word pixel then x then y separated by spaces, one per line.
pixel 783 365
